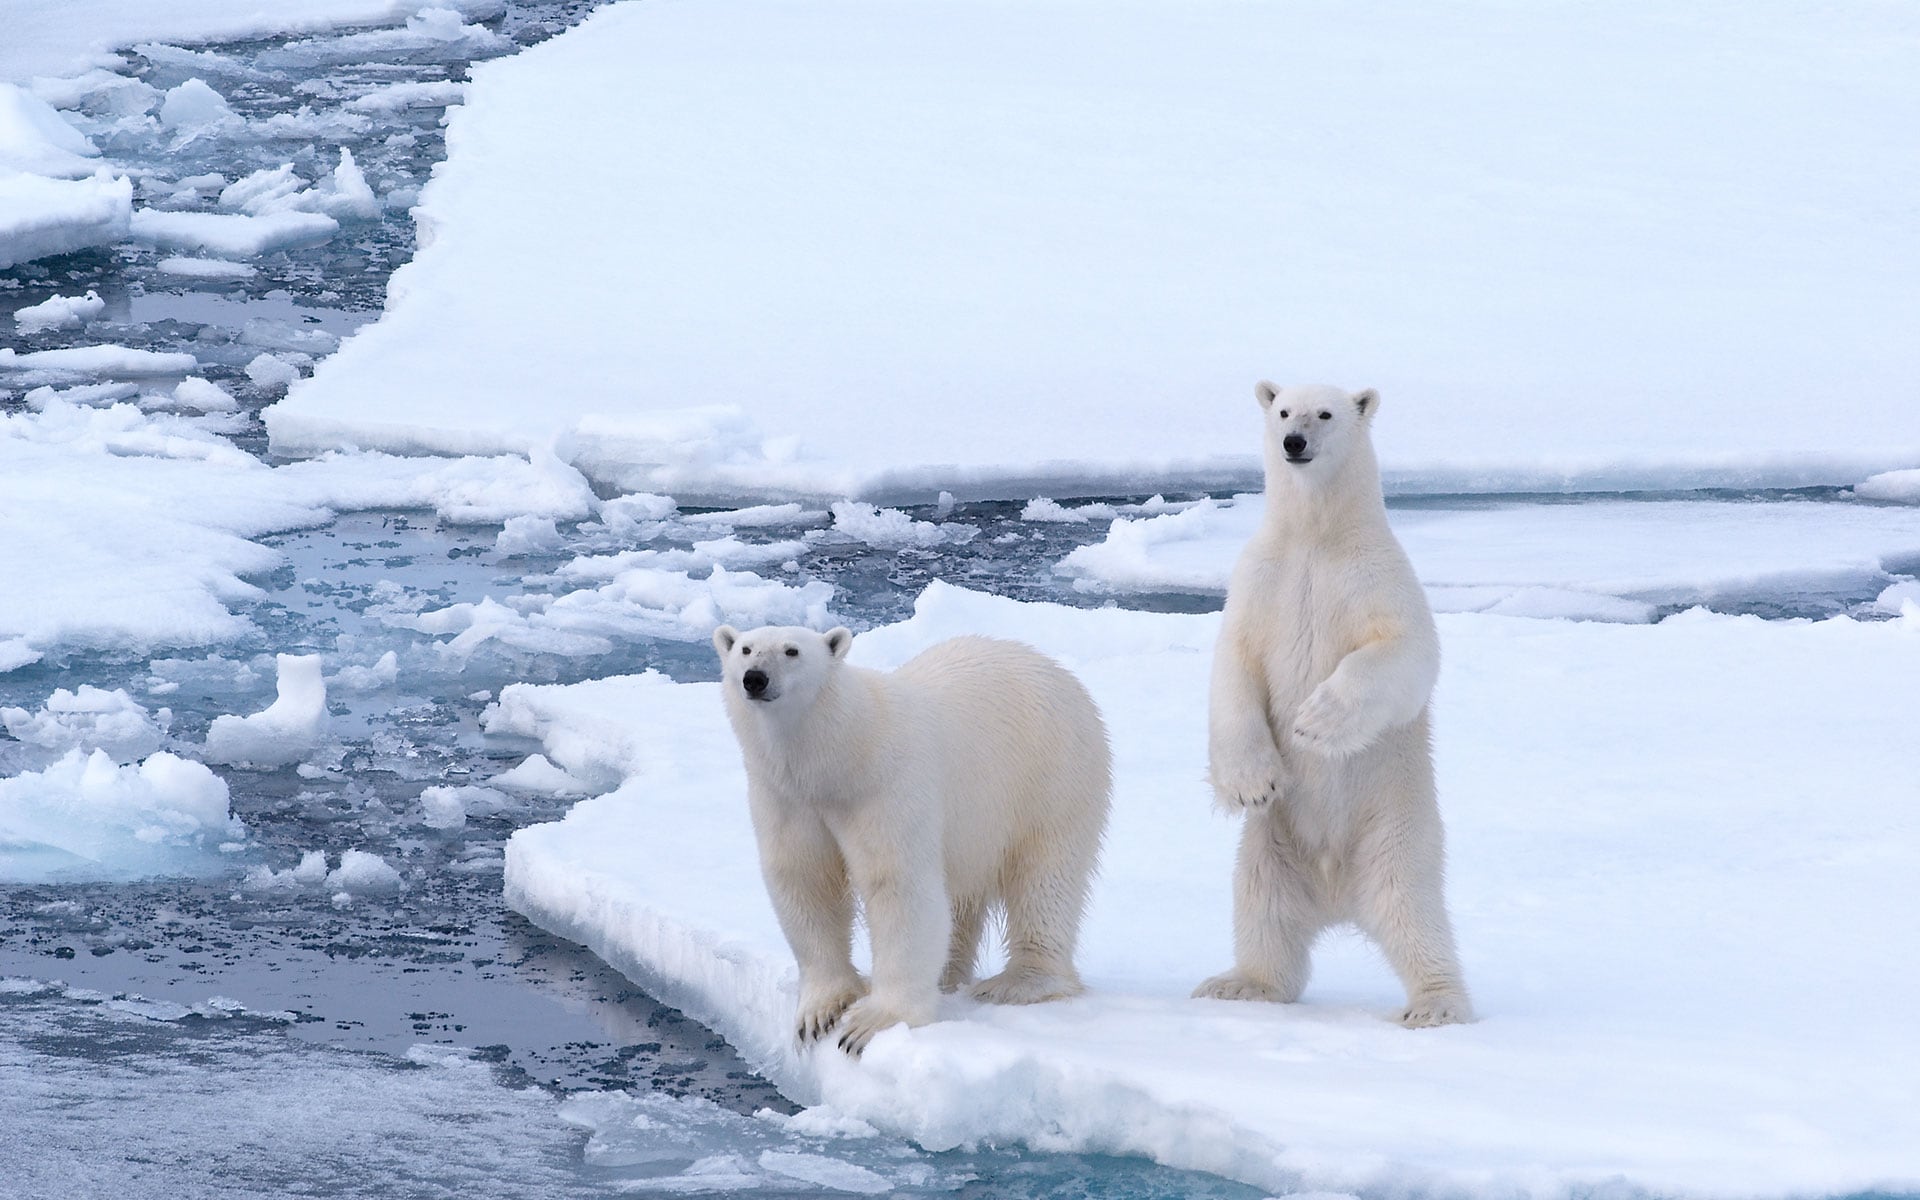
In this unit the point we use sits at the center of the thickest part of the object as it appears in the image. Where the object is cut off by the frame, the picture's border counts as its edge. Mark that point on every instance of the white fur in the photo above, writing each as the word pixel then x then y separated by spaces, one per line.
pixel 1318 723
pixel 976 776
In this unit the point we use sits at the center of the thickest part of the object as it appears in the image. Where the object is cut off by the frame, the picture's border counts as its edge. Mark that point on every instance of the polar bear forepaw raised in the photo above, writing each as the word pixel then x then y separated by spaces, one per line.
pixel 1244 781
pixel 1332 724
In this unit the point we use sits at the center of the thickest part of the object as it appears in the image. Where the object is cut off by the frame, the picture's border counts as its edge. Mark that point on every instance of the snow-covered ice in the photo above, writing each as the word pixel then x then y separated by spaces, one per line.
pixel 1598 560
pixel 1643 827
pixel 288 730
pixel 1899 487
pixel 1576 249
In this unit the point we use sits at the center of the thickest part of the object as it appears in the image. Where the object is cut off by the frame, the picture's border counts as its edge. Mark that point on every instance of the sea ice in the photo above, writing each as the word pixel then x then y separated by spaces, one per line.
pixel 272 371
pixel 231 235
pixel 1639 833
pixel 1598 560
pixel 201 395
pixel 891 529
pixel 1900 487
pixel 205 268
pixel 343 194
pixel 365 874
pixel 59 312
pixel 527 535
pixel 538 774
pixel 384 672
pixel 91 718
pixel 88 817
pixel 42 217
pixel 35 139
pixel 194 110
pixel 285 732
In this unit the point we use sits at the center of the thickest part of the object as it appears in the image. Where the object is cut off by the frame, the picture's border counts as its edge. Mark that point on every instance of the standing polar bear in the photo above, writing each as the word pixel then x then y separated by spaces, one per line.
pixel 1318 723
pixel 976 776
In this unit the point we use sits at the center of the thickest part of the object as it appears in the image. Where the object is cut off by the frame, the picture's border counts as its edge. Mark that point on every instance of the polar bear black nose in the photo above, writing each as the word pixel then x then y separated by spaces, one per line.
pixel 755 681
pixel 1294 444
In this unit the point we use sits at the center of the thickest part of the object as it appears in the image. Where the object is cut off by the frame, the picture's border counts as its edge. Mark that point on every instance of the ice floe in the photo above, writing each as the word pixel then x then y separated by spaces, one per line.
pixel 288 730
pixel 89 817
pixel 1639 832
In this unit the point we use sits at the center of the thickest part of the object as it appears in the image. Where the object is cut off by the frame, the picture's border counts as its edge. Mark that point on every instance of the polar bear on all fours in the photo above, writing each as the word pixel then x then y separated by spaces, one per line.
pixel 1318 722
pixel 976 776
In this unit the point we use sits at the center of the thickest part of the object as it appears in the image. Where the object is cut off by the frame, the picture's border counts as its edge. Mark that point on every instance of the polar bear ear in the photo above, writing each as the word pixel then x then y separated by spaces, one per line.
pixel 1367 403
pixel 1264 392
pixel 723 639
pixel 838 639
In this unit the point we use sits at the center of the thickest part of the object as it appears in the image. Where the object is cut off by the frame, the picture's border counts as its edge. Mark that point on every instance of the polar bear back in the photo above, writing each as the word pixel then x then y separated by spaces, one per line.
pixel 1018 747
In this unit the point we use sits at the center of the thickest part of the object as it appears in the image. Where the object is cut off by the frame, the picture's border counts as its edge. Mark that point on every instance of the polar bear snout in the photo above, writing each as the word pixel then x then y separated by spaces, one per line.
pixel 1296 447
pixel 755 681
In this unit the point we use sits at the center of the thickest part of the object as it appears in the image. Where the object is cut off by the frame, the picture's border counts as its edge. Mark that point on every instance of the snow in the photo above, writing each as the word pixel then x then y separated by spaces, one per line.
pixel 88 817
pixel 1599 560
pixel 539 775
pixel 528 535
pixel 59 312
pixel 91 718
pixel 202 395
pixel 343 195
pixel 35 139
pixel 1577 250
pixel 1642 828
pixel 231 235
pixel 194 109
pixel 292 727
pixel 271 371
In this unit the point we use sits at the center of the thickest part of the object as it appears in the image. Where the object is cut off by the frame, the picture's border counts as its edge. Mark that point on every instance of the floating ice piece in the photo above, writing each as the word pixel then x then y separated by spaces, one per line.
pixel 363 873
pixel 91 719
pixel 1052 511
pixel 34 138
pixel 1895 599
pixel 105 359
pixel 538 774
pixel 16 653
pixel 194 110
pixel 528 535
pixel 232 235
pixel 463 491
pixel 205 268
pixel 383 673
pixel 288 730
pixel 40 399
pixel 449 807
pixel 87 817
pixel 397 96
pixel 59 312
pixel 42 217
pixel 311 871
pixel 343 194
pixel 891 529
pixel 1901 487
pixel 272 372
pixel 203 395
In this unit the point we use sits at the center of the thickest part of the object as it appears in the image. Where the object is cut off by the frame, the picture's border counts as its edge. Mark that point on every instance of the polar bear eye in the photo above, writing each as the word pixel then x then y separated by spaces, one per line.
pixel 792 653
pixel 745 650
pixel 1326 416
pixel 1283 414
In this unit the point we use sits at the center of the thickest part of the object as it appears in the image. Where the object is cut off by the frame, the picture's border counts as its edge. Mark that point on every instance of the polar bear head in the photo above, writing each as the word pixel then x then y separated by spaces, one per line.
pixel 1312 429
pixel 781 666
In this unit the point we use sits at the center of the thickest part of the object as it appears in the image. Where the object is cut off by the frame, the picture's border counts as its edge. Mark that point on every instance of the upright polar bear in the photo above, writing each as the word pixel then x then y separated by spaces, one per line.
pixel 977 775
pixel 1318 722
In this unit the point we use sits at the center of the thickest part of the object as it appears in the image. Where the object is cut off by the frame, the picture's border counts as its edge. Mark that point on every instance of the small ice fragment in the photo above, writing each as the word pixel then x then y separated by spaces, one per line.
pixel 539 775
pixel 272 372
pixel 383 673
pixel 284 733
pixel 205 268
pixel 91 719
pixel 203 395
pixel 194 108
pixel 59 312
pixel 363 874
pixel 442 808
pixel 528 535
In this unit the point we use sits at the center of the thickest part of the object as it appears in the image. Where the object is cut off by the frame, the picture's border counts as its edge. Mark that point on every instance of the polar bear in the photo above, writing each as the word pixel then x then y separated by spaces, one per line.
pixel 1318 725
pixel 976 776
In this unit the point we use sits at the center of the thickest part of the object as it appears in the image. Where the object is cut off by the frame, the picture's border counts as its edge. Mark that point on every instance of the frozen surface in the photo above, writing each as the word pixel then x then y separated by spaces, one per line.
pixel 90 718
pixel 1597 560
pixel 58 312
pixel 231 235
pixel 1576 249
pixel 1901 487
pixel 40 217
pixel 1622 916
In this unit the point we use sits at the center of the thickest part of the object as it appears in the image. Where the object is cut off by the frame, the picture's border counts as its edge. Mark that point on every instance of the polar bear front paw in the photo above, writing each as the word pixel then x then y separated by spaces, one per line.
pixel 1332 724
pixel 820 1009
pixel 1025 986
pixel 1247 780
pixel 1233 985
pixel 864 1019
pixel 1439 1008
